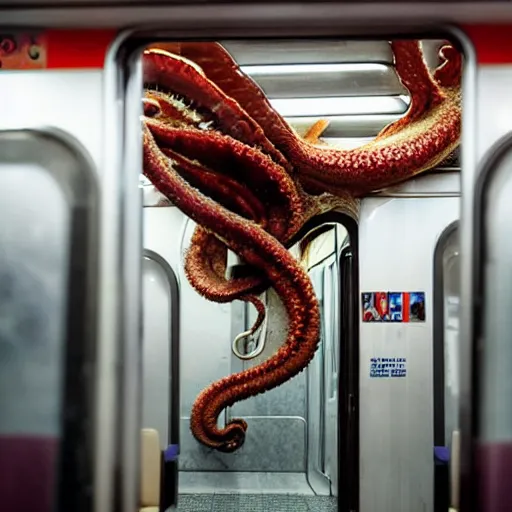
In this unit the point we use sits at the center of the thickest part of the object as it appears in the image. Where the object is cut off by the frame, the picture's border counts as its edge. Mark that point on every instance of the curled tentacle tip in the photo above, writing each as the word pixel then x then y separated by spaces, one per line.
pixel 448 51
pixel 449 73
pixel 240 422
pixel 235 437
pixel 231 446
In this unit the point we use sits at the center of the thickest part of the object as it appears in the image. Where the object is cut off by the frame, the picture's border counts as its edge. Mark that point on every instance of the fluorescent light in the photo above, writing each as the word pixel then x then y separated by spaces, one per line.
pixel 308 69
pixel 335 106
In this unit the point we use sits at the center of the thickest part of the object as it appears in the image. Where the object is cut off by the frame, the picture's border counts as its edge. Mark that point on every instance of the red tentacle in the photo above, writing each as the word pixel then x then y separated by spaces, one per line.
pixel 430 129
pixel 182 77
pixel 449 73
pixel 290 281
pixel 205 269
pixel 415 76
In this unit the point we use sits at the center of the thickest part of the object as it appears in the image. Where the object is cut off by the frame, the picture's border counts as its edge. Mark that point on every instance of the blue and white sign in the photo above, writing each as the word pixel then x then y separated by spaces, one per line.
pixel 388 367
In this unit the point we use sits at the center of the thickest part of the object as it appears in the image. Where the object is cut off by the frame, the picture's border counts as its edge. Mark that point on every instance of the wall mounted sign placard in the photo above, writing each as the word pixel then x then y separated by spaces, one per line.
pixel 388 367
pixel 395 307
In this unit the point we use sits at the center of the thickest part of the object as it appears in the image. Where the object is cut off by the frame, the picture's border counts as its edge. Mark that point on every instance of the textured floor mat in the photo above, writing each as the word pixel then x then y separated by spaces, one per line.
pixel 255 503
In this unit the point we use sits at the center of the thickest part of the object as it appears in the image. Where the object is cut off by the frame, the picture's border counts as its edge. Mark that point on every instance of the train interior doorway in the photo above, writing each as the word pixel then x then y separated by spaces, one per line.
pixel 318 441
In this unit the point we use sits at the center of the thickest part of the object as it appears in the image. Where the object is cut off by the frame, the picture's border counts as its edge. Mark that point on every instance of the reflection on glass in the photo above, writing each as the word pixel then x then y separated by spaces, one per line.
pixel 33 261
pixel 451 292
pixel 446 366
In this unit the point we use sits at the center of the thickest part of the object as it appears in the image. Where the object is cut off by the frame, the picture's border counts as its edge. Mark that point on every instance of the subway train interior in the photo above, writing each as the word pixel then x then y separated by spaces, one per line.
pixel 250 259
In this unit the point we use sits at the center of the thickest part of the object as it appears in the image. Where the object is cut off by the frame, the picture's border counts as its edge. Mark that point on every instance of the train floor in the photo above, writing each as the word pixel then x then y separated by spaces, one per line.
pixel 255 503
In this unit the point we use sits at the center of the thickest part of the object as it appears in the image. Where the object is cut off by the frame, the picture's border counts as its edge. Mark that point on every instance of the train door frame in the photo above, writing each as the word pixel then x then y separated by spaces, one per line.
pixel 170 472
pixel 348 340
pixel 348 383
pixel 438 332
pixel 348 379
pixel 439 361
pixel 123 68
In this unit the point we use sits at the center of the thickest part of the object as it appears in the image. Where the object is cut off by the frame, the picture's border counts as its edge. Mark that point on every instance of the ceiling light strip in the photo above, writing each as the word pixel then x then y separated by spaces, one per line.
pixel 311 69
pixel 337 106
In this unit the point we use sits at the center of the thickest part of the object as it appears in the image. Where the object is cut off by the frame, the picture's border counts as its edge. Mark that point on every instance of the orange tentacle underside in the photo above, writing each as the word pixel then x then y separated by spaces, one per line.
pixel 218 150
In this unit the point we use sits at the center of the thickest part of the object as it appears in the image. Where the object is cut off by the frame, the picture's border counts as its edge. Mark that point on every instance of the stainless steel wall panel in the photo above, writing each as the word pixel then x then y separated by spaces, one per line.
pixel 396 428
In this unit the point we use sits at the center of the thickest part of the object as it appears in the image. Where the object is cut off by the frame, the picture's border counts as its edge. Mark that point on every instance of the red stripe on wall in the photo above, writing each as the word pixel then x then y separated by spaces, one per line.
pixel 82 49
pixel 493 43
pixel 87 48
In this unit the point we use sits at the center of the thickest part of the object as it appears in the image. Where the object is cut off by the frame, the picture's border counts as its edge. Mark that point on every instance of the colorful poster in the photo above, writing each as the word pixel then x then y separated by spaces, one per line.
pixel 375 307
pixel 395 307
pixel 396 301
pixel 22 51
pixel 417 307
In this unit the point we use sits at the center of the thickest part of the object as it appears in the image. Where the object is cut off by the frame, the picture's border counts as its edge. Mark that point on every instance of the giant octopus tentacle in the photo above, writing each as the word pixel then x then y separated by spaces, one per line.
pixel 186 79
pixel 290 281
pixel 428 133
pixel 209 126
